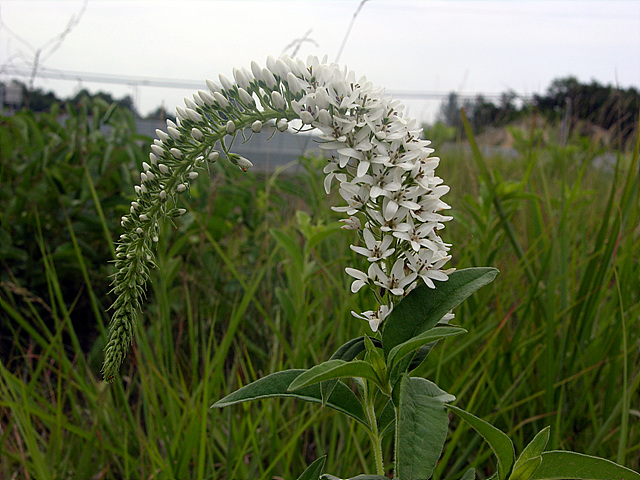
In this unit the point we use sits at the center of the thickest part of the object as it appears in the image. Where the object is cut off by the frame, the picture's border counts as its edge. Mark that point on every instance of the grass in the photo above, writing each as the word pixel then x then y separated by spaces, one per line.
pixel 252 282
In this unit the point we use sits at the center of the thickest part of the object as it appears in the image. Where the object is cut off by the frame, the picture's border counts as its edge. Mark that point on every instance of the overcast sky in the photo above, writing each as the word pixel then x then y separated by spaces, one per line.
pixel 418 46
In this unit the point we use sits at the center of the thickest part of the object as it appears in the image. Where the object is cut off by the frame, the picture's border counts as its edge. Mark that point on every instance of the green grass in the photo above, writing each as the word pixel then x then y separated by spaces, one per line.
pixel 252 281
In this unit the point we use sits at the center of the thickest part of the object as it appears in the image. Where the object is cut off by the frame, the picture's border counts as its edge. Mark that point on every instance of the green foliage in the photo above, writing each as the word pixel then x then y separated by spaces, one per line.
pixel 545 343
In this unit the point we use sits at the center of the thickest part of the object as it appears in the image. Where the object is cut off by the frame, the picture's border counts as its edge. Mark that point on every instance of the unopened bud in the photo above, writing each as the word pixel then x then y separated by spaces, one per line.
pixel 256 126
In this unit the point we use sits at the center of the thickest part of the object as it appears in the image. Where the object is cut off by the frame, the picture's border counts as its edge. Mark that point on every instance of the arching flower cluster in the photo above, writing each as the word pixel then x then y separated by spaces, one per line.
pixel 383 169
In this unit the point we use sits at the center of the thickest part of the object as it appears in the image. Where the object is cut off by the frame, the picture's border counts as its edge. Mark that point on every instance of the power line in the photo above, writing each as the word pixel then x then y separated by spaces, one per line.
pixel 185 84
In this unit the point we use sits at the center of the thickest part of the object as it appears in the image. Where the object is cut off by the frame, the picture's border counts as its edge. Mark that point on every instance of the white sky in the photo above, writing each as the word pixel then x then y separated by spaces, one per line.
pixel 427 46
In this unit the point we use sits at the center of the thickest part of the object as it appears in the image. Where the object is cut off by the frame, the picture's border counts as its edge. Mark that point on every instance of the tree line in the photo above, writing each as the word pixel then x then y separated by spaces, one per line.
pixel 605 106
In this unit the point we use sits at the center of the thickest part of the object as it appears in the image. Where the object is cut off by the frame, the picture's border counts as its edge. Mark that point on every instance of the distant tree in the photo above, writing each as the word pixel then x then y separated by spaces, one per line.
pixel 449 113
pixel 605 106
pixel 159 114
pixel 125 102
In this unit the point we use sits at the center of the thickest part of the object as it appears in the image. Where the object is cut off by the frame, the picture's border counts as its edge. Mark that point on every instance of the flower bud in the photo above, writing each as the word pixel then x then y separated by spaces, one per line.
pixel 293 83
pixel 163 168
pixel 256 70
pixel 180 113
pixel 213 156
pixel 176 153
pixel 230 127
pixel 181 187
pixel 281 69
pixel 143 177
pixel 143 217
pixel 240 78
pixel 174 132
pixel 256 126
pixel 269 79
pixel 162 135
pixel 225 82
pixel 145 166
pixel 246 98
pixel 196 134
pixel 157 150
pixel 190 103
pixel 198 99
pixel 193 115
pixel 192 175
pixel 282 124
pixel 162 195
pixel 206 97
pixel 213 86
pixel 223 102
pixel 153 158
pixel 243 163
pixel 278 100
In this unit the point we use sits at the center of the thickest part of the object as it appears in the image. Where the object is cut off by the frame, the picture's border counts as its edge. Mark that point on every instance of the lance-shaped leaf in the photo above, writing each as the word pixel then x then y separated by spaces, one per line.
pixel 421 309
pixel 469 474
pixel 313 471
pixel 277 385
pixel 572 465
pixel 530 452
pixel 497 440
pixel 400 351
pixel 422 426
pixel 326 476
pixel 346 352
pixel 334 369
pixel 525 470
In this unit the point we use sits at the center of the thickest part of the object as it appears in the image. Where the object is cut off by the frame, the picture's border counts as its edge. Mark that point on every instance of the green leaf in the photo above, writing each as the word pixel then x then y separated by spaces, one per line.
pixel 313 471
pixel 422 428
pixel 469 474
pixel 277 385
pixel 335 369
pixel 534 449
pixel 497 440
pixel 526 470
pixel 290 246
pixel 375 359
pixel 436 333
pixel 346 352
pixel 326 476
pixel 424 307
pixel 571 465
pixel 387 419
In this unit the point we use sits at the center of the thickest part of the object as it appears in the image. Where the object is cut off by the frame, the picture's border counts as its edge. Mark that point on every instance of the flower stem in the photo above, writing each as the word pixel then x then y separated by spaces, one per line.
pixel 376 439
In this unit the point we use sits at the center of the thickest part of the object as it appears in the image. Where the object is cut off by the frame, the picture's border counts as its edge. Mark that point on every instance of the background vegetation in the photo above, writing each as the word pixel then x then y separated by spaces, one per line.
pixel 252 281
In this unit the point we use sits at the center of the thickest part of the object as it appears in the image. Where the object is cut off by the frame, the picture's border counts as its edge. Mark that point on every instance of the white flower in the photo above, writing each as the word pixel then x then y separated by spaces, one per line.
pixel 376 250
pixel 361 278
pixel 356 197
pixel 427 265
pixel 375 318
pixel 416 235
pixel 397 280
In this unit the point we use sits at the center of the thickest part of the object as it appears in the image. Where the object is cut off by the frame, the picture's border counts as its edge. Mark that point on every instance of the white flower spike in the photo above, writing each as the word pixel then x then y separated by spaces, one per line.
pixel 384 171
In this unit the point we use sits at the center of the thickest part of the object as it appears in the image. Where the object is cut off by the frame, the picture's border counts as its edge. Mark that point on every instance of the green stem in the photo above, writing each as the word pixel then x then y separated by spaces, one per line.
pixel 376 439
